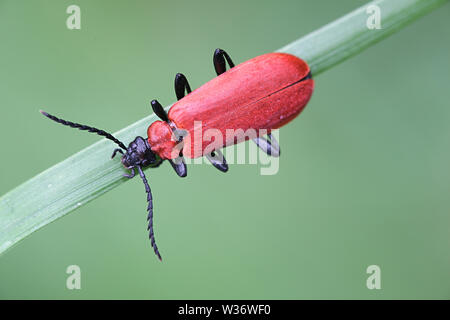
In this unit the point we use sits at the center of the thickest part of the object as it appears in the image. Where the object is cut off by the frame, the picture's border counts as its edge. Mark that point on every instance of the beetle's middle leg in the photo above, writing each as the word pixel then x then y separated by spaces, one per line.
pixel 181 86
pixel 219 61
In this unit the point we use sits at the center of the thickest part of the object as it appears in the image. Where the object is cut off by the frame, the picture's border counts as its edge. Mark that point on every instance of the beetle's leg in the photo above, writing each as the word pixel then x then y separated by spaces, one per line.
pixel 180 134
pixel 274 143
pixel 129 176
pixel 218 160
pixel 219 61
pixel 159 110
pixel 270 147
pixel 115 152
pixel 181 86
pixel 179 166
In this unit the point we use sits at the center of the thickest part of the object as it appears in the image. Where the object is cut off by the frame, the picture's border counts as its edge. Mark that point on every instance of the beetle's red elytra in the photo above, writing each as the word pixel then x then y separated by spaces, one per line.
pixel 261 94
pixel 265 92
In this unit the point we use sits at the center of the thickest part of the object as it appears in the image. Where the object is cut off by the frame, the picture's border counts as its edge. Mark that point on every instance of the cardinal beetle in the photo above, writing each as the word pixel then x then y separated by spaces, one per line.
pixel 265 92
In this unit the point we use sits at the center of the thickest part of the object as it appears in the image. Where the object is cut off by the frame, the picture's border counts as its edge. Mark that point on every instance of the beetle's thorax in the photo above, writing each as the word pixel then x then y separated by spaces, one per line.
pixel 163 140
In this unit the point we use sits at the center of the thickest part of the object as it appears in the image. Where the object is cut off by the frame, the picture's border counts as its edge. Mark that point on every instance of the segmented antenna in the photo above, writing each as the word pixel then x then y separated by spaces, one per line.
pixel 150 213
pixel 84 127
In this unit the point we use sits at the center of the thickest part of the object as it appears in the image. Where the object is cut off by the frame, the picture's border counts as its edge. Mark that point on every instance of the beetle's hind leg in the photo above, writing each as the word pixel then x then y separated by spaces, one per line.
pixel 271 146
pixel 181 86
pixel 219 58
pixel 218 160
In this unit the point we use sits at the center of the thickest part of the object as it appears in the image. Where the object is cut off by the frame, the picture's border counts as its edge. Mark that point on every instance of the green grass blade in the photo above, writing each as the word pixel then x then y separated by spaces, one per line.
pixel 349 35
pixel 90 172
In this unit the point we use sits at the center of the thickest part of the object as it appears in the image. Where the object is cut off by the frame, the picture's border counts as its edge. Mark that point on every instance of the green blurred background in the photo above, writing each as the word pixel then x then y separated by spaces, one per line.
pixel 364 173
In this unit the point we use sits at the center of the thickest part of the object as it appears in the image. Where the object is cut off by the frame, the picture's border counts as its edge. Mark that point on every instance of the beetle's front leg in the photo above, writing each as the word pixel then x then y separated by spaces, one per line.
pixel 129 176
pixel 159 110
pixel 217 160
pixel 219 61
pixel 181 86
pixel 115 152
pixel 179 166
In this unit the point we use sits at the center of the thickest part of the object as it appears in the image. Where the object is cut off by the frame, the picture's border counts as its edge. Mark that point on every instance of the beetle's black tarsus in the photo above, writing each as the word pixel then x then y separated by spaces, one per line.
pixel 218 160
pixel 181 86
pixel 159 110
pixel 219 58
pixel 179 166
pixel 271 146
pixel 150 213
pixel 84 127
pixel 115 152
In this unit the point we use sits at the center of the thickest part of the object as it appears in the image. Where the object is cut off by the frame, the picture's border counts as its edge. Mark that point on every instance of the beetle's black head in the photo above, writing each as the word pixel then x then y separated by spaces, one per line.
pixel 140 154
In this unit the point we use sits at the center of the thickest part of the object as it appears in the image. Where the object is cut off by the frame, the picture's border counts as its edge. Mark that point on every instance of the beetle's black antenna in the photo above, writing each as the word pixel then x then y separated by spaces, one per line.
pixel 150 213
pixel 84 127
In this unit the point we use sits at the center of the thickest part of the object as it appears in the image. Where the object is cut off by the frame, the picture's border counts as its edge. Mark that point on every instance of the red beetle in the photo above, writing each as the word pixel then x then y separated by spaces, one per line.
pixel 260 94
